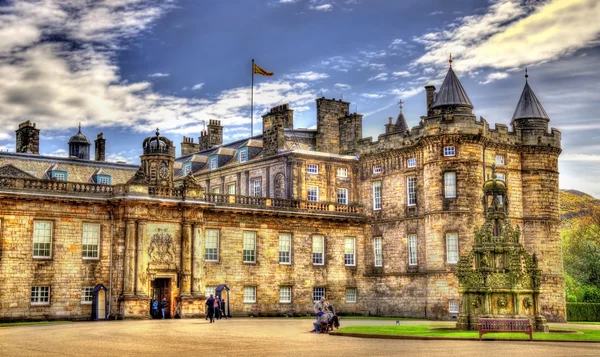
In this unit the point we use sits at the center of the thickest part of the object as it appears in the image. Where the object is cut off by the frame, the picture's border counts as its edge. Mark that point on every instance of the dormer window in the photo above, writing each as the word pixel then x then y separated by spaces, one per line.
pixel 103 179
pixel 59 175
pixel 242 155
pixel 212 163
pixel 187 168
pixel 449 151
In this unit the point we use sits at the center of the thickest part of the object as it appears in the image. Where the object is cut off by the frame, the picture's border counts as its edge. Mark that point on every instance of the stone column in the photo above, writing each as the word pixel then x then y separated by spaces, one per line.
pixel 186 259
pixel 196 258
pixel 129 266
pixel 141 287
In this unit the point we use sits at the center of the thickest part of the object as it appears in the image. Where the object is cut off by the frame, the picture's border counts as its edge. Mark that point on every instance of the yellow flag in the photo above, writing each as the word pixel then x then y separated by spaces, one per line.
pixel 258 70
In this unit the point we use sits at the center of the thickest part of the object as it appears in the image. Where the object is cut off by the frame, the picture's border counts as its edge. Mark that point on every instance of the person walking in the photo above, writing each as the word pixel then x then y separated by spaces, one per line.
pixel 154 309
pixel 210 308
pixel 163 307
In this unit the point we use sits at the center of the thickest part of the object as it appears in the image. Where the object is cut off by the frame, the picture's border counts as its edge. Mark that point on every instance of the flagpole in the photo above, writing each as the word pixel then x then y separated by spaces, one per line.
pixel 252 103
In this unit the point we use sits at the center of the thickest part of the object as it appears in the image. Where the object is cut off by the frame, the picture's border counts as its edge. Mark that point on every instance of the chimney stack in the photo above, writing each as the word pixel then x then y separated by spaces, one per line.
pixel 28 138
pixel 99 148
pixel 430 91
pixel 188 146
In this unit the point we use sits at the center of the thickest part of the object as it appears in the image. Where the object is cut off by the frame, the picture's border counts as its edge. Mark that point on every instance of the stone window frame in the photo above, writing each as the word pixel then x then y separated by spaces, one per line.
pixel 218 240
pixel 312 169
pixel 40 295
pixel 351 295
pixel 256 187
pixel 86 295
pixel 377 193
pixel 322 252
pixel 285 291
pixel 413 250
pixel 450 188
pixel 249 294
pixel 455 252
pixel 343 171
pixel 216 189
pixel 83 240
pixel 350 258
pixel 449 151
pixel 234 185
pixel 245 255
pixel 377 169
pixel 411 162
pixel 51 245
pixel 319 292
pixel 291 237
pixel 377 250
pixel 344 197
pixel 500 160
pixel 411 191
pixel 312 193
pixel 453 306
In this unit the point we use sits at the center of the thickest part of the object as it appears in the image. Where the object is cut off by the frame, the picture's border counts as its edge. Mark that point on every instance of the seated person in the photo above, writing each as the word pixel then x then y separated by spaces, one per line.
pixel 321 317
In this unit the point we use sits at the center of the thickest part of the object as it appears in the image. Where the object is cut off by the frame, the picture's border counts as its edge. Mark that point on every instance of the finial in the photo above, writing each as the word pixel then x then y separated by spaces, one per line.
pixel 80 127
pixel 526 75
pixel 400 102
pixel 450 60
pixel 157 132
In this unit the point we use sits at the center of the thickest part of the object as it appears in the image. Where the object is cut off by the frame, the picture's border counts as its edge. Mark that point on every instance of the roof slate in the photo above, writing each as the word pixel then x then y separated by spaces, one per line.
pixel 529 106
pixel 452 92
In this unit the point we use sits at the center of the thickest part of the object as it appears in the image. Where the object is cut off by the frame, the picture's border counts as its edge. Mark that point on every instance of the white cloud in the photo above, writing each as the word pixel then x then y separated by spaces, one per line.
pixel 372 66
pixel 308 76
pixel 436 13
pixel 397 43
pixel 579 157
pixel 342 86
pixel 380 77
pixel 287 1
pixel 373 54
pixel 158 74
pixel 494 77
pixel 372 95
pixel 401 74
pixel 198 86
pixel 324 7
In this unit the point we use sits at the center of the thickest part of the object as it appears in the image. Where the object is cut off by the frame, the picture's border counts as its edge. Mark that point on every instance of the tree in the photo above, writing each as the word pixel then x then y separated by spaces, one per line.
pixel 581 250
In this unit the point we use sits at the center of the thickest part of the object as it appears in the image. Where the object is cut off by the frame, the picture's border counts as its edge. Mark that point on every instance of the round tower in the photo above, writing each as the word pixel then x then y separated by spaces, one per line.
pixel 79 146
pixel 158 160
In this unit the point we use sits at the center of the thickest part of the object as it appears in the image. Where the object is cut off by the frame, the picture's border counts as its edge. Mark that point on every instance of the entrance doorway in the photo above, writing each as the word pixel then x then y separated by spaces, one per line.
pixel 161 289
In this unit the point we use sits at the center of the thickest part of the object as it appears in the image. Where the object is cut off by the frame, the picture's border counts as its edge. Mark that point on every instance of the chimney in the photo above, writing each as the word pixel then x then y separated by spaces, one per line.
pixel 99 148
pixel 273 124
pixel 28 138
pixel 389 127
pixel 211 137
pixel 430 91
pixel 188 146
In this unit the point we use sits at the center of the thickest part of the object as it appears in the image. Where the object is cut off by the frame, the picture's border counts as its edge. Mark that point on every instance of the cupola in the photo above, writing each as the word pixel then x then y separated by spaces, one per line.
pixel 79 146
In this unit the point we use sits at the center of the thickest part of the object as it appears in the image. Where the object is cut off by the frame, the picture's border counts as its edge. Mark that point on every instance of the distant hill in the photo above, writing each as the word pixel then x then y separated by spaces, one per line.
pixel 574 207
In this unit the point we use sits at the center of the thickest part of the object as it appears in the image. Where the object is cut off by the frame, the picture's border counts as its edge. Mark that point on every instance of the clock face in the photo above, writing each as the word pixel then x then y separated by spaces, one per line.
pixel 163 172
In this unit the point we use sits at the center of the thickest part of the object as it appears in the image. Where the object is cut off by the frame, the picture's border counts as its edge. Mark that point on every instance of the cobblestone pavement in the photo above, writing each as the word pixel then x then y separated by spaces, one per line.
pixel 248 337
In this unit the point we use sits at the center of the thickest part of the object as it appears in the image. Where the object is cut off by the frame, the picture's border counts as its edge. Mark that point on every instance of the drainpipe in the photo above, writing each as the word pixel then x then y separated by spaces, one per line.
pixel 110 268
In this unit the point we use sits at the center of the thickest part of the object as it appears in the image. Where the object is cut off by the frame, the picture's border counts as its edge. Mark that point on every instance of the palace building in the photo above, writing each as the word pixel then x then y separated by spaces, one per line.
pixel 282 218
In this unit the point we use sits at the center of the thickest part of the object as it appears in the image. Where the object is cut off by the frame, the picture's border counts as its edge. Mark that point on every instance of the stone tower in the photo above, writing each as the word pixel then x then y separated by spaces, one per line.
pixel 158 160
pixel 28 138
pixel 274 122
pixel 79 146
pixel 329 111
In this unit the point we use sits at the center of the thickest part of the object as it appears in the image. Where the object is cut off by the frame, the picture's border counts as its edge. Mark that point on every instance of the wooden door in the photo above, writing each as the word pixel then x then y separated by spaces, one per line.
pixel 101 305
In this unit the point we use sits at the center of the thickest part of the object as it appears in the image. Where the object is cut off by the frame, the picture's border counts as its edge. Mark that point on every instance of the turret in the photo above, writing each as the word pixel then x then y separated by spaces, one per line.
pixel 158 160
pixel 451 97
pixel 79 146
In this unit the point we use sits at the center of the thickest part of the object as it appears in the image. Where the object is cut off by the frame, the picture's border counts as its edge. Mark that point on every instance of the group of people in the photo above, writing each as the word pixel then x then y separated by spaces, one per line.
pixel 325 315
pixel 158 305
pixel 214 308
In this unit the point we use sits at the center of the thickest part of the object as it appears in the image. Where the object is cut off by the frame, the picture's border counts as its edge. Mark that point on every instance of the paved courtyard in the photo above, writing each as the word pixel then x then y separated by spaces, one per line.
pixel 247 337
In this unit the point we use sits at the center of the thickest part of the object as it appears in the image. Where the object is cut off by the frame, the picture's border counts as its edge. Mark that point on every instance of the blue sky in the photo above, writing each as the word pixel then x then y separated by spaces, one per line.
pixel 125 67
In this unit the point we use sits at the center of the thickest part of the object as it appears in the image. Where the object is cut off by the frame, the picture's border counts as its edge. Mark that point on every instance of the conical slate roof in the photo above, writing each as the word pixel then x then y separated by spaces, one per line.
pixel 529 106
pixel 451 92
pixel 79 138
pixel 401 125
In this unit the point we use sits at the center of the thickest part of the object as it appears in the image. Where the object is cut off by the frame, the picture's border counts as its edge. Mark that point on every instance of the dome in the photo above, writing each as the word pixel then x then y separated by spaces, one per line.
pixel 494 185
pixel 158 145
pixel 79 138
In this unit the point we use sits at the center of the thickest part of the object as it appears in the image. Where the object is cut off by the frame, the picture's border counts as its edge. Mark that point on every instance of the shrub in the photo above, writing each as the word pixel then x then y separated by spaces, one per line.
pixel 583 311
pixel 590 293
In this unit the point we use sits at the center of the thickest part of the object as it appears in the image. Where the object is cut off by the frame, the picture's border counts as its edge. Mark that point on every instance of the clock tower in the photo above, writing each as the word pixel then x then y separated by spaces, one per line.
pixel 158 160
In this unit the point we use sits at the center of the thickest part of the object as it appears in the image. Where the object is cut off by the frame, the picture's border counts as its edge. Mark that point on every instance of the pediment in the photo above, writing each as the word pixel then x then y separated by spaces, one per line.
pixel 13 171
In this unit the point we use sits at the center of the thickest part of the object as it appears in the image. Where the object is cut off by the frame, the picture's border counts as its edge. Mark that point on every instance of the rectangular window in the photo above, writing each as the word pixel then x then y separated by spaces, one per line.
pixel 249 294
pixel 249 247
pixel 342 172
pixel 377 195
pixel 449 151
pixel 216 190
pixel 243 155
pixel 318 293
pixel 231 188
pixel 42 239
pixel 499 160
pixel 256 188
pixel 351 295
pixel 453 306
pixel 412 162
pixel 86 295
pixel 450 184
pixel 500 177
pixel 342 196
pixel 285 294
pixel 312 169
pixel 412 249
pixel 318 250
pixel 212 163
pixel 104 181
pixel 91 241
pixel 40 295
pixel 377 169
pixel 187 168
pixel 452 247
pixel 411 190
pixel 211 245
pixel 59 176
pixel 313 193
pixel 285 248
pixel 378 250
pixel 212 289
pixel 349 251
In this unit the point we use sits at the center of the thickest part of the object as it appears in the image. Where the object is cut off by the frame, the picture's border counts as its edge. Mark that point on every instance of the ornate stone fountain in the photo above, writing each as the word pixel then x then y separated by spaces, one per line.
pixel 498 278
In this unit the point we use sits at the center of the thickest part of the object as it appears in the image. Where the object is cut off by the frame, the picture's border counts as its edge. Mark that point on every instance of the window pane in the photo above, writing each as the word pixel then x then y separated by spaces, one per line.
pixel 312 169
pixel 90 241
pixel 499 160
pixel 249 294
pixel 377 195
pixel 42 239
pixel 211 245
pixel 450 184
pixel 349 257
pixel 377 169
pixel 378 250
pixel 313 193
pixel 249 249
pixel 350 294
pixel 452 247
pixel 342 196
pixel 256 187
pixel 318 249
pixel 342 172
pixel 411 190
pixel 412 162
pixel 412 249
pixel 40 295
pixel 231 189
pixel 86 295
pixel 285 248
pixel 318 293
pixel 210 290
pixel 453 306
pixel 285 294
pixel 449 151
pixel 500 177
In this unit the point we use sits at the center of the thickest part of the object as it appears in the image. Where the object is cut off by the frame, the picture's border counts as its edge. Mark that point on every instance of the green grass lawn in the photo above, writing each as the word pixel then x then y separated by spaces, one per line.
pixel 24 323
pixel 584 322
pixel 430 331
pixel 345 317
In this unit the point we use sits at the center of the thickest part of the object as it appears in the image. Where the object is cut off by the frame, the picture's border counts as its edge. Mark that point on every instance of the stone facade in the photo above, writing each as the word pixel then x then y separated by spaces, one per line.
pixel 393 215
